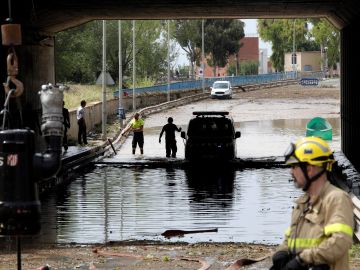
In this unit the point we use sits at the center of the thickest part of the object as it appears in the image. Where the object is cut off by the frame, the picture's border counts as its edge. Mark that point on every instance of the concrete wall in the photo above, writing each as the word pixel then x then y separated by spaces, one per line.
pixel 93 111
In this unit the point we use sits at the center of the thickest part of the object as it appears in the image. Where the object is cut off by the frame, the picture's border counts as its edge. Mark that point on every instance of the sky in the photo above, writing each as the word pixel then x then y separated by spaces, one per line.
pixel 250 30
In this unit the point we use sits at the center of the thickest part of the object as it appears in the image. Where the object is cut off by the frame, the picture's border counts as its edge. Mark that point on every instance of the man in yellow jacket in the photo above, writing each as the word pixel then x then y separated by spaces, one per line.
pixel 136 126
pixel 321 228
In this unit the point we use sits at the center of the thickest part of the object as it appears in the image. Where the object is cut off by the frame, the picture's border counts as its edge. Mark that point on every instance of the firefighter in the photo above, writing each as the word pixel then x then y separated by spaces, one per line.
pixel 321 228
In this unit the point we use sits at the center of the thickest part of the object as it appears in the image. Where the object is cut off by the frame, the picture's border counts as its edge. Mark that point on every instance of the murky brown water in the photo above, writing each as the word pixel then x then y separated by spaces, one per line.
pixel 258 139
pixel 119 203
pixel 112 204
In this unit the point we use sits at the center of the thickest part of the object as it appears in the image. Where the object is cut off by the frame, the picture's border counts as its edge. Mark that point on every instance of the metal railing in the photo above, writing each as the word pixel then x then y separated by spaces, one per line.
pixel 197 84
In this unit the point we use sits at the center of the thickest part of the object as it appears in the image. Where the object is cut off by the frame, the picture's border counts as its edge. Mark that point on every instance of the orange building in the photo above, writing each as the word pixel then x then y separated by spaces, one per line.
pixel 249 51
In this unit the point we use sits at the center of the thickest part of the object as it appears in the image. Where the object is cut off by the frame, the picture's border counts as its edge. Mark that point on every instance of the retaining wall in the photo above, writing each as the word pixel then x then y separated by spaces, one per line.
pixel 93 111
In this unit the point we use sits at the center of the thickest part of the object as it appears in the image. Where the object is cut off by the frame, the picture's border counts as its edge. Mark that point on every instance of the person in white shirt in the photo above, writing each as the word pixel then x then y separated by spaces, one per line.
pixel 80 113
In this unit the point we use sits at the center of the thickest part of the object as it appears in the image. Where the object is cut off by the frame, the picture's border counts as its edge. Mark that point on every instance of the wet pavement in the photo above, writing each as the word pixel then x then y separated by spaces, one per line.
pixel 268 123
pixel 113 203
pixel 121 203
pixel 117 203
pixel 258 139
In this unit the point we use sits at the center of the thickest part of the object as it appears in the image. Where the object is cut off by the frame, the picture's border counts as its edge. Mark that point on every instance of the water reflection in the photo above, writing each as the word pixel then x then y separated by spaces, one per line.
pixel 210 187
pixel 115 204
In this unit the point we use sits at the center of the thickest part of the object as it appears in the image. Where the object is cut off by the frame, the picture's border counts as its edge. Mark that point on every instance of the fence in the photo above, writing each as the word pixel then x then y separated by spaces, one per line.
pixel 197 84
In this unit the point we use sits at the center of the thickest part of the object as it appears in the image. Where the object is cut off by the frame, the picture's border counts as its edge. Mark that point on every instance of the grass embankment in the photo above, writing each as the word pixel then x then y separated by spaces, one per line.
pixel 89 93
pixel 93 93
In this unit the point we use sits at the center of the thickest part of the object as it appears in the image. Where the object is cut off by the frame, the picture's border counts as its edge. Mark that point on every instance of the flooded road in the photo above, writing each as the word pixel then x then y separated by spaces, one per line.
pixel 123 203
pixel 114 204
pixel 250 205
pixel 258 139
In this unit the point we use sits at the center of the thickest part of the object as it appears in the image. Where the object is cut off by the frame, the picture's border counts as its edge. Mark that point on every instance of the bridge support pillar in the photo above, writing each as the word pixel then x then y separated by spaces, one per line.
pixel 350 93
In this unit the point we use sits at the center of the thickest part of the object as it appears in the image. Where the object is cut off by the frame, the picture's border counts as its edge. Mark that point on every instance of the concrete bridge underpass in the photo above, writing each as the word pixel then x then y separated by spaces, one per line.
pixel 41 19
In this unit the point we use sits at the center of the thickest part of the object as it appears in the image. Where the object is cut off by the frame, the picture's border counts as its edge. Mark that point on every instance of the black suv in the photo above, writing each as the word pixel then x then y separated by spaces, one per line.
pixel 210 135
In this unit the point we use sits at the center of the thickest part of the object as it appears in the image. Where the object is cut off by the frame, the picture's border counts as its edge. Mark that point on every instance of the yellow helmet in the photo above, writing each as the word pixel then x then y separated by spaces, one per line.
pixel 311 150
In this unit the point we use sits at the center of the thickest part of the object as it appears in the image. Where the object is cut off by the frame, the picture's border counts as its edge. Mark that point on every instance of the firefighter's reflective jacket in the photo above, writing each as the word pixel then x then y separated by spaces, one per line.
pixel 322 233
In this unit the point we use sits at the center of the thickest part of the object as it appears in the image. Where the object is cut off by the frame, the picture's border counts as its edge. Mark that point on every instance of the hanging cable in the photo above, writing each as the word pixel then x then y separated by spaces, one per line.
pixel 5 111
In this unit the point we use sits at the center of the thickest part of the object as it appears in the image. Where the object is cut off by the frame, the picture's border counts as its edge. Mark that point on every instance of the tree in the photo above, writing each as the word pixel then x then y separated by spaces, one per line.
pixel 79 51
pixel 222 39
pixel 151 49
pixel 280 33
pixel 328 38
pixel 246 68
pixel 188 35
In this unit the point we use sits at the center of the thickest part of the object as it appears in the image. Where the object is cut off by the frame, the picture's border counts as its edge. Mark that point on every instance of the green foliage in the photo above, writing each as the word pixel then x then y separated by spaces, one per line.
pixel 78 51
pixel 90 93
pixel 231 70
pixel 326 36
pixel 188 34
pixel 183 71
pixel 249 68
pixel 246 68
pixel 222 39
pixel 281 33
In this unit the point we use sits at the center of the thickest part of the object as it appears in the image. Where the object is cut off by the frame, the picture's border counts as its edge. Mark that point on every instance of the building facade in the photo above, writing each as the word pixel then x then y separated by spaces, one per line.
pixel 305 61
pixel 249 51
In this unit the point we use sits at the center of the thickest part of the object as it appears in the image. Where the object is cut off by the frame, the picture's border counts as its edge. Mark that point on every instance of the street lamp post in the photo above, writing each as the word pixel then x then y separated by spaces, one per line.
pixel 104 73
pixel 293 56
pixel 325 61
pixel 134 73
pixel 120 78
pixel 168 60
pixel 202 56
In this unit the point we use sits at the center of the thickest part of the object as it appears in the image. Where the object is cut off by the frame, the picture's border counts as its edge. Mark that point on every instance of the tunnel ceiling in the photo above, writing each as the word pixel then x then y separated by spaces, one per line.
pixel 57 15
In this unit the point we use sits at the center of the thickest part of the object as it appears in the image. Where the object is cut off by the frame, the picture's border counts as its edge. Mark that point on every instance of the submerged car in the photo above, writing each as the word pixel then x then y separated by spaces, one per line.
pixel 221 89
pixel 210 136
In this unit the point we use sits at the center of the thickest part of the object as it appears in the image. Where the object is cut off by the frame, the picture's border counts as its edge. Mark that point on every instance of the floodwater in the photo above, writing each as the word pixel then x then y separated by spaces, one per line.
pixel 117 203
pixel 114 204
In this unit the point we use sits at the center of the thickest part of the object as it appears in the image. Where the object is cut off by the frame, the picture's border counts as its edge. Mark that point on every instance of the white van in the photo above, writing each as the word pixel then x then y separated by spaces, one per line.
pixel 221 89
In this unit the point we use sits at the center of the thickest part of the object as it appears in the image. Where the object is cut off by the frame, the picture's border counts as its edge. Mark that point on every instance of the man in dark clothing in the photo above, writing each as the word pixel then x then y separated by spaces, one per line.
pixel 66 117
pixel 170 142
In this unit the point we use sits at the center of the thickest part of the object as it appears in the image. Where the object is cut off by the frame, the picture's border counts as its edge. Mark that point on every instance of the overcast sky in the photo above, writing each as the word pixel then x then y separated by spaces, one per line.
pixel 250 30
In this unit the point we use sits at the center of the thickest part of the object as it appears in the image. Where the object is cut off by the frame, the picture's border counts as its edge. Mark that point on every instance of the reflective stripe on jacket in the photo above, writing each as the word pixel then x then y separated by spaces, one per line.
pixel 321 233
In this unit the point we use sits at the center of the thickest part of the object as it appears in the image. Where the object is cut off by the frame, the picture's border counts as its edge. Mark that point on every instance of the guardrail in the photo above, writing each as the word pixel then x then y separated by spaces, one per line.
pixel 197 84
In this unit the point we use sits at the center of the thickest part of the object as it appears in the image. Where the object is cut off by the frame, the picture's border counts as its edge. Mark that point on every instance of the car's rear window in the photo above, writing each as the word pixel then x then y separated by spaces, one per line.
pixel 210 127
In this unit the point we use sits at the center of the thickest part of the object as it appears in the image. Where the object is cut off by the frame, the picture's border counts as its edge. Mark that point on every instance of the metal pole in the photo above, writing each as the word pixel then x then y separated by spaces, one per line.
pixel 202 56
pixel 168 60
pixel 103 126
pixel 294 49
pixel 322 57
pixel 18 243
pixel 134 103
pixel 120 77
